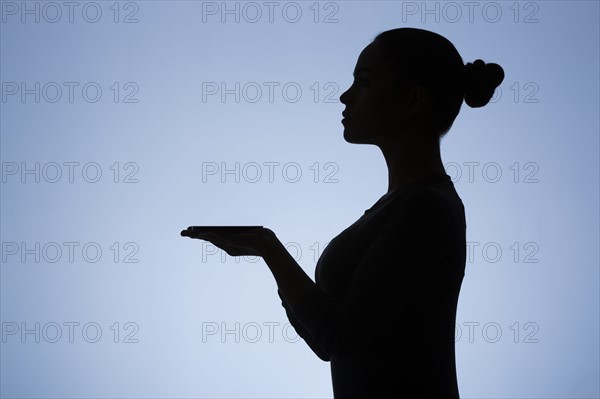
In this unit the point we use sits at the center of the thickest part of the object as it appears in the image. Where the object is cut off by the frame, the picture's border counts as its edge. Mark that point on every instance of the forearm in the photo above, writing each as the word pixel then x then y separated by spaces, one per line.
pixel 291 279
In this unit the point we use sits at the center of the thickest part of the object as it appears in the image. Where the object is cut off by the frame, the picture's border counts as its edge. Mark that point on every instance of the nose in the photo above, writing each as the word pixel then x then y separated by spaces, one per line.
pixel 344 97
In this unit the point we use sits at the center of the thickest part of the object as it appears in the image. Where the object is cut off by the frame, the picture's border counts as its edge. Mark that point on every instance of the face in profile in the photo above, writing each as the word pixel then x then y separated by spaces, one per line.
pixel 375 108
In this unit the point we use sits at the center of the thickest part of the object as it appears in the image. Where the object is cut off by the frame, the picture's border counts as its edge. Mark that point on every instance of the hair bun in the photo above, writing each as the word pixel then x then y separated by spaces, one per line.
pixel 480 82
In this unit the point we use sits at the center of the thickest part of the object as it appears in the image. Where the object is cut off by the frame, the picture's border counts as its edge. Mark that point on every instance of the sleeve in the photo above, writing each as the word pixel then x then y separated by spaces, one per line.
pixel 302 332
pixel 402 259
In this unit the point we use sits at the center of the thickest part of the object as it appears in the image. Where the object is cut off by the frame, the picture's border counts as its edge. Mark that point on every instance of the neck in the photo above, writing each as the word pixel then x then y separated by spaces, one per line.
pixel 409 161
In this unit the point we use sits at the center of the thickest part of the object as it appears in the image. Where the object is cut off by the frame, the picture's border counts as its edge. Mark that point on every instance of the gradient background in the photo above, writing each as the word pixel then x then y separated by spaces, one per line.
pixel 203 324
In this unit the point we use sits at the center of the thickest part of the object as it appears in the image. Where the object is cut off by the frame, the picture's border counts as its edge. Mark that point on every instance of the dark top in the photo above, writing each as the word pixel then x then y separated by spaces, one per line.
pixel 383 310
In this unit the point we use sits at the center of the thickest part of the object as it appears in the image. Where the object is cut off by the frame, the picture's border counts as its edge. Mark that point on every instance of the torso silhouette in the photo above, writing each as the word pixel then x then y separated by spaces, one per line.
pixel 384 308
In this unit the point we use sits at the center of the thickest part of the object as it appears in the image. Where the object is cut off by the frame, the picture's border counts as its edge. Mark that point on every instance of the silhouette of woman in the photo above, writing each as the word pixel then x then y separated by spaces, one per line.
pixel 382 309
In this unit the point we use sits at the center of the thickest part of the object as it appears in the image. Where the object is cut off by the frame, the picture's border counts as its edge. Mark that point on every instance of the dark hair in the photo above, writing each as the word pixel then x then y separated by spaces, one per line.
pixel 427 59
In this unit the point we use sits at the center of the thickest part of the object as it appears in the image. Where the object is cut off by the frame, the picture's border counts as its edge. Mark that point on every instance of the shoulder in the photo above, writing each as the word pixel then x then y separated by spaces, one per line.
pixel 420 201
pixel 421 211
pixel 419 220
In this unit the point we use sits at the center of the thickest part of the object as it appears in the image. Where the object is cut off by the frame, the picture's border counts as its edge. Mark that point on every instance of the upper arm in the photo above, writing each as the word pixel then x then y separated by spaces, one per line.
pixel 302 332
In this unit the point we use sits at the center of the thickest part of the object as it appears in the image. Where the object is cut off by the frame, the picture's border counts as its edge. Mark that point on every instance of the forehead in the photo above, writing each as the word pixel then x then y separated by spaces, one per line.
pixel 371 60
pixel 368 57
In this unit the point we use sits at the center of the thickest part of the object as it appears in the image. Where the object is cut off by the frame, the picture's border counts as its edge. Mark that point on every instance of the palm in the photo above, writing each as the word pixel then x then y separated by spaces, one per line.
pixel 253 243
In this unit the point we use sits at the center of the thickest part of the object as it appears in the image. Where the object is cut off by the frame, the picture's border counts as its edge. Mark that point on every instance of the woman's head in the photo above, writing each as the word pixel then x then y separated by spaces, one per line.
pixel 412 80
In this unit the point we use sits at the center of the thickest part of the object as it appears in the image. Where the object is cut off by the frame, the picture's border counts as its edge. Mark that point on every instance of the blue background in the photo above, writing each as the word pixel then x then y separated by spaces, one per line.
pixel 179 318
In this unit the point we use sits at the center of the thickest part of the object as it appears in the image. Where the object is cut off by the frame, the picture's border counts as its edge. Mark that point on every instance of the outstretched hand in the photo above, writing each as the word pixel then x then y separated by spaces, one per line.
pixel 255 242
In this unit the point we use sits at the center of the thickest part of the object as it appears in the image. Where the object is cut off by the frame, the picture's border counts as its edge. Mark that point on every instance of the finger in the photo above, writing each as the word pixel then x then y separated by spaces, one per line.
pixel 193 234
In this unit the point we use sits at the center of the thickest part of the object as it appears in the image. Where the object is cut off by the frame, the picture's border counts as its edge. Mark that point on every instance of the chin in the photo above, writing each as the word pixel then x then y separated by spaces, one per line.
pixel 354 139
